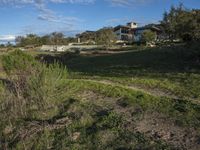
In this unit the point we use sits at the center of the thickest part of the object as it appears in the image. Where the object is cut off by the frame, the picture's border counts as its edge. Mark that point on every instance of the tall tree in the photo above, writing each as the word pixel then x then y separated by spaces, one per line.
pixel 57 38
pixel 106 37
pixel 182 23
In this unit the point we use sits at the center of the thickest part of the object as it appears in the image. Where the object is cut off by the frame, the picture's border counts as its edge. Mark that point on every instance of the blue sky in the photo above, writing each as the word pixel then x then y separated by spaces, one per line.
pixel 20 17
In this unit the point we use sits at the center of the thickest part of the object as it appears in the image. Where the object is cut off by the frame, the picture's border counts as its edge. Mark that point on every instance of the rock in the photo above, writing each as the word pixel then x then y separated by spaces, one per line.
pixel 76 135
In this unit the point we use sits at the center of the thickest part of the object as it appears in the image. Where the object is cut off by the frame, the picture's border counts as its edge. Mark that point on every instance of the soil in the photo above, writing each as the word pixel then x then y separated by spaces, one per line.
pixel 153 125
pixel 159 127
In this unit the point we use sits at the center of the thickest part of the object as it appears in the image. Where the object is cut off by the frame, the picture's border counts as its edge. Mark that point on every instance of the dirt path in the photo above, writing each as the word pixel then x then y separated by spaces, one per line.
pixel 152 92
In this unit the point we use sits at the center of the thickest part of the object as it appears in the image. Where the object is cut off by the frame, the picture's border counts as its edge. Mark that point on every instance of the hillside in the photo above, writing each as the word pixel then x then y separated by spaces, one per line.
pixel 124 100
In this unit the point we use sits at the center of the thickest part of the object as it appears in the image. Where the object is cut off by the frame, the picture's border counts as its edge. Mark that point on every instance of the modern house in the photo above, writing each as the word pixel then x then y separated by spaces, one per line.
pixel 132 33
pixel 124 33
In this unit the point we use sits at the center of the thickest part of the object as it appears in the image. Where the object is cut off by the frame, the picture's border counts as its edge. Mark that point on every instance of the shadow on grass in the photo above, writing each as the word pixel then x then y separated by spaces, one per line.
pixel 177 59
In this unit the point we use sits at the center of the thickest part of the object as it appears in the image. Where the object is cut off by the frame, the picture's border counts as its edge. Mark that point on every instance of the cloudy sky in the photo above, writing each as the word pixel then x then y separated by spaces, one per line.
pixel 20 17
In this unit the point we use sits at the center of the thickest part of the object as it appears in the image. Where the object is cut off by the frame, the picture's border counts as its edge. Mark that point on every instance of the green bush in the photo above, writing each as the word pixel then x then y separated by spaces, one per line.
pixel 33 86
pixel 17 62
pixel 47 86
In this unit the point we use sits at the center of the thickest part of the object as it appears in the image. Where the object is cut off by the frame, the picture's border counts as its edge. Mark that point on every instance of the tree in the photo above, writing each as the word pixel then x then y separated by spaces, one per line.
pixel 29 39
pixel 182 23
pixel 87 36
pixel 106 37
pixel 2 45
pixel 57 38
pixel 45 40
pixel 68 40
pixel 148 36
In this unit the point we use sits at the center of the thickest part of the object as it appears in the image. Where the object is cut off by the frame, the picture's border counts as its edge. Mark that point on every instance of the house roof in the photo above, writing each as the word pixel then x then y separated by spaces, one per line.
pixel 150 27
pixel 121 26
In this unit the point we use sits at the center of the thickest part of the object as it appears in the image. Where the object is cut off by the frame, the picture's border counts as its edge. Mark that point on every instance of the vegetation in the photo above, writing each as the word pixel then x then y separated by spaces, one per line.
pixel 54 38
pixel 148 36
pixel 144 98
pixel 105 37
pixel 182 23
pixel 101 102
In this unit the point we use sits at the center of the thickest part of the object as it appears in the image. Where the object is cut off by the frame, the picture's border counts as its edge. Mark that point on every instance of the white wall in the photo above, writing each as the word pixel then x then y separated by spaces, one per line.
pixel 63 48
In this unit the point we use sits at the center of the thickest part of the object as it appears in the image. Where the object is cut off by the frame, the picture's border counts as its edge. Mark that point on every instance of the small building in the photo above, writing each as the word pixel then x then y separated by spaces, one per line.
pixel 124 33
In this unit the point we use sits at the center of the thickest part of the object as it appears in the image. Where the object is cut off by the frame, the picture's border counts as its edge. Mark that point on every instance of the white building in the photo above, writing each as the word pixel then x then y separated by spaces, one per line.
pixel 124 33
pixel 132 33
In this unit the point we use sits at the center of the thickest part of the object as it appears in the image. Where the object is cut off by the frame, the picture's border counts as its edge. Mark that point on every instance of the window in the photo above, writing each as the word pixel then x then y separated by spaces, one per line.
pixel 124 30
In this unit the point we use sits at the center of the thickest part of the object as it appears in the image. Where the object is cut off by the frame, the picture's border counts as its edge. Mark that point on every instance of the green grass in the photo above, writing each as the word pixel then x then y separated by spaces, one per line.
pixel 188 113
pixel 171 70
pixel 94 130
pixel 91 114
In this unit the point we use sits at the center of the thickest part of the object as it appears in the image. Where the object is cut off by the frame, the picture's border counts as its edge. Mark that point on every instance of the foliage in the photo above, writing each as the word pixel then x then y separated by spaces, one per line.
pixel 17 62
pixel 105 36
pixel 148 36
pixel 18 67
pixel 87 36
pixel 87 114
pixel 47 85
pixel 55 38
pixel 33 86
pixel 2 45
pixel 182 23
pixel 30 39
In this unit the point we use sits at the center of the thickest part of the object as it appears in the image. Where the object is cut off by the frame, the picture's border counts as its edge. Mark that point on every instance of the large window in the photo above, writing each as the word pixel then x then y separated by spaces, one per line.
pixel 124 37
pixel 124 30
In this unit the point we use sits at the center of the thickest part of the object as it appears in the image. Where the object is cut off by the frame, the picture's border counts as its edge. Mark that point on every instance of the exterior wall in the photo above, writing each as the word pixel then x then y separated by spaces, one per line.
pixel 138 35
pixel 55 48
pixel 123 35
pixel 132 25
pixel 118 34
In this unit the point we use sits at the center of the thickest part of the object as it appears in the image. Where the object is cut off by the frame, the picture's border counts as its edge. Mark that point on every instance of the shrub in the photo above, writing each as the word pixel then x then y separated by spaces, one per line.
pixel 18 67
pixel 47 86
pixel 148 36
pixel 17 62
pixel 35 86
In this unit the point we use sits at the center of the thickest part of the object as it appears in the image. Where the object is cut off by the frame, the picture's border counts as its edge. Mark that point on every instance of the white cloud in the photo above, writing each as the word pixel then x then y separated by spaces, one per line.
pixel 73 1
pixel 45 13
pixel 41 2
pixel 54 20
pixel 128 2
pixel 7 38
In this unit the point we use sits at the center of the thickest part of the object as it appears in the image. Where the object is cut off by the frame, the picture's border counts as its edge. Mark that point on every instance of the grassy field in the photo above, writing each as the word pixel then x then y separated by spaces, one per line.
pixel 146 99
pixel 173 70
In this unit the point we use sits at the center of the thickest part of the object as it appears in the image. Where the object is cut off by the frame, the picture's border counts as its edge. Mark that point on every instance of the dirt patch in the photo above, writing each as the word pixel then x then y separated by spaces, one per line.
pixel 34 127
pixel 97 99
pixel 151 91
pixel 162 128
